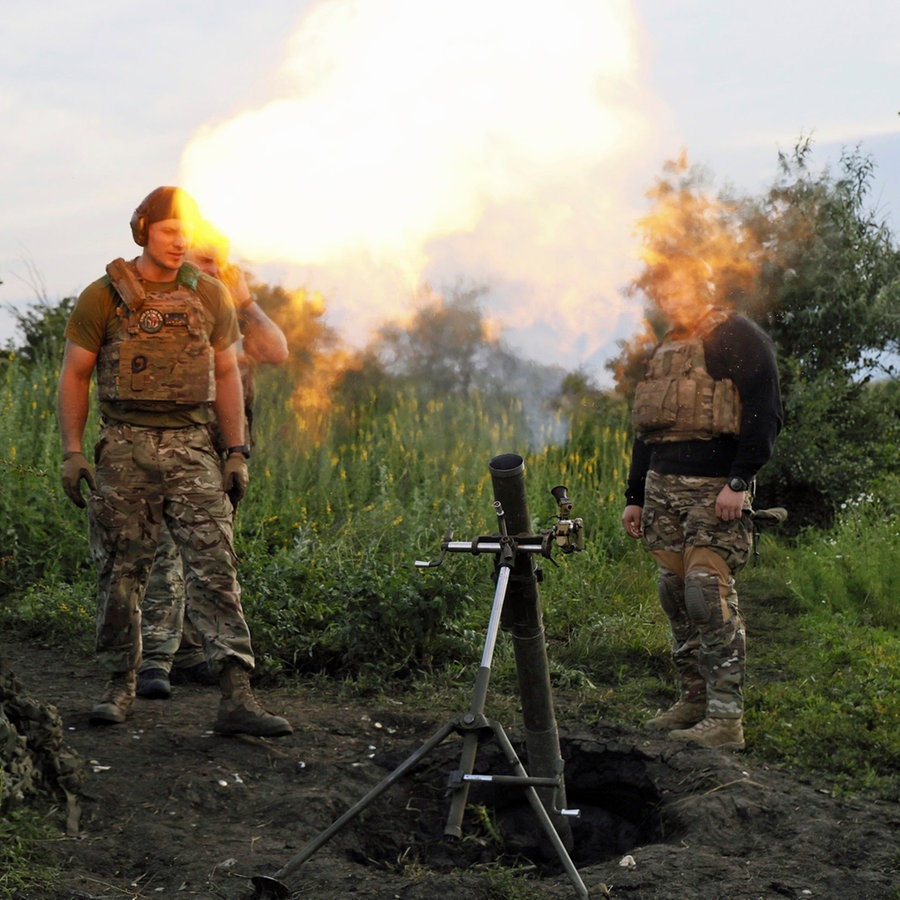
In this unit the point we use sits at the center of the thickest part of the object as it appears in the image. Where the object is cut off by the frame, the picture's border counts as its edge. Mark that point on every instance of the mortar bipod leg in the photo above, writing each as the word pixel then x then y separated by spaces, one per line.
pixel 474 722
pixel 539 810
pixel 267 886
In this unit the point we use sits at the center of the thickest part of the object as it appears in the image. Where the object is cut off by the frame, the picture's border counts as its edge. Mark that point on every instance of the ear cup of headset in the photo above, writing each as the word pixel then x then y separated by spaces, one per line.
pixel 139 227
pixel 164 203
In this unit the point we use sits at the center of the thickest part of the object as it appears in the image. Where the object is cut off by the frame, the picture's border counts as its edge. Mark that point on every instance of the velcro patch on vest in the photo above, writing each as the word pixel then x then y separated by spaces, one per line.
pixel 151 321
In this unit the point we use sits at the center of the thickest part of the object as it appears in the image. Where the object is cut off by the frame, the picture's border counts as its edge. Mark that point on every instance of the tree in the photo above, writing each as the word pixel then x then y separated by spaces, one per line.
pixel 43 328
pixel 449 350
pixel 318 363
pixel 828 283
pixel 446 347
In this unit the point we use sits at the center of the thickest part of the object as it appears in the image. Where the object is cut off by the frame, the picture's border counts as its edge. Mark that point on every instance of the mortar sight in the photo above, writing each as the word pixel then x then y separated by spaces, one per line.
pixel 568 533
pixel 561 495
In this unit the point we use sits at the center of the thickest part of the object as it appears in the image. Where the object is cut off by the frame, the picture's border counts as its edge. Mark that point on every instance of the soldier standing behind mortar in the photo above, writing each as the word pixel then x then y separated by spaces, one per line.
pixel 172 646
pixel 705 419
pixel 161 336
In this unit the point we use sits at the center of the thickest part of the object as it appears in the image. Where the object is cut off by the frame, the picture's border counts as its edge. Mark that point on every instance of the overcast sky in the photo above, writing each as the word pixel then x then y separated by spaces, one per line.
pixel 364 148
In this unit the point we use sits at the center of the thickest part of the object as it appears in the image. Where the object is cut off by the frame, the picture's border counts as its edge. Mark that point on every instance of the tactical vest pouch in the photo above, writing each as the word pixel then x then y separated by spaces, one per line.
pixel 147 374
pixel 126 284
pixel 683 409
pixel 726 411
pixel 655 406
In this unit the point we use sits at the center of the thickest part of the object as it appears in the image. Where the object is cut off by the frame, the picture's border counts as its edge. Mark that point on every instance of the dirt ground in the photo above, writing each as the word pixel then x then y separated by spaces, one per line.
pixel 170 810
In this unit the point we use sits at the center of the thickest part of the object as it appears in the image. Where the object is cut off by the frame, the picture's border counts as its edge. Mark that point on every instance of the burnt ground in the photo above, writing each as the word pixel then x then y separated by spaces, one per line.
pixel 170 810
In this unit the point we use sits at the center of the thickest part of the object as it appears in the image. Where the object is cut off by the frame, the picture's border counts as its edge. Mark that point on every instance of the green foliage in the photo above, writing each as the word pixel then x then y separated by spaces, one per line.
pixel 41 538
pixel 852 570
pixel 828 263
pixel 56 611
pixel 43 329
pixel 826 287
pixel 840 436
pixel 825 673
pixel 352 617
pixel 835 713
pixel 445 349
pixel 448 351
pixel 22 867
pixel 505 883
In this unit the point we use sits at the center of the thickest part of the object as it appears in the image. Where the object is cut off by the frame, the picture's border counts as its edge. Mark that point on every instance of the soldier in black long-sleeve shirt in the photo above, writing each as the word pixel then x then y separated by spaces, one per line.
pixel 705 418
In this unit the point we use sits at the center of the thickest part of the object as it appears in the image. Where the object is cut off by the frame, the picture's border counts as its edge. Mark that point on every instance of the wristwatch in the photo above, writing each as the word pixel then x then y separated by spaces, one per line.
pixel 737 484
pixel 243 449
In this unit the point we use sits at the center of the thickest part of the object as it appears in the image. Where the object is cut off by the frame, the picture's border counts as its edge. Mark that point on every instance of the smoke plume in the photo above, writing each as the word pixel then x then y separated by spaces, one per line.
pixel 495 144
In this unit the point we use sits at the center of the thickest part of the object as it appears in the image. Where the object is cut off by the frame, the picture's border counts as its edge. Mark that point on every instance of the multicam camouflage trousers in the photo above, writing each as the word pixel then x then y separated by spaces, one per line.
pixel 697 556
pixel 168 635
pixel 147 477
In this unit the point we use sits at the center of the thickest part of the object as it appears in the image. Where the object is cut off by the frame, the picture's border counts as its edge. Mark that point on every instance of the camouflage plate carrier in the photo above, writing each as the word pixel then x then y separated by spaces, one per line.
pixel 679 400
pixel 161 352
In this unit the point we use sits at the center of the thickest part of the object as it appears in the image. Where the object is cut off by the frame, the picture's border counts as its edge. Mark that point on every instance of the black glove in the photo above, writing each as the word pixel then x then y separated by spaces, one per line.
pixel 235 477
pixel 76 468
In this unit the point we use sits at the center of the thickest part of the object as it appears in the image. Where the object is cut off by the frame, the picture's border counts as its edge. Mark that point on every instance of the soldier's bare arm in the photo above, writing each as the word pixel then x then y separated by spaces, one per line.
pixel 73 394
pixel 264 341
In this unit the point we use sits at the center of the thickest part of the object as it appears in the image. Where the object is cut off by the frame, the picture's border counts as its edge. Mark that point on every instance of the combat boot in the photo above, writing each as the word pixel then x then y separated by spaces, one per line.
pixel 239 710
pixel 723 734
pixel 117 700
pixel 682 714
pixel 153 684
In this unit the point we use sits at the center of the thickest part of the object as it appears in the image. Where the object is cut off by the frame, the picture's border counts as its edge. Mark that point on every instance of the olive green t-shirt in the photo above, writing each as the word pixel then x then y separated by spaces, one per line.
pixel 94 322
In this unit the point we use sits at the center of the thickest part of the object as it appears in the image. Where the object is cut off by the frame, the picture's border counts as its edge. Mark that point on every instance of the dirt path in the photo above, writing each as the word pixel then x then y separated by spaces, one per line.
pixel 171 810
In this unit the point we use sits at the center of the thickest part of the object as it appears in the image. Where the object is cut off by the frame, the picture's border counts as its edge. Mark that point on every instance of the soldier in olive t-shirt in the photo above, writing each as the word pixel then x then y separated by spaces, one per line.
pixel 161 338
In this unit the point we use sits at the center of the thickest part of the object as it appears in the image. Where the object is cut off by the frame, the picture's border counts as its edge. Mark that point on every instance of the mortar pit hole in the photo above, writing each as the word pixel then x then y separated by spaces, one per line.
pixel 618 801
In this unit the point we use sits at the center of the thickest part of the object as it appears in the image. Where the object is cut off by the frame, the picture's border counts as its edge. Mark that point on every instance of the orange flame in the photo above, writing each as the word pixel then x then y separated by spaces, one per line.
pixel 695 248
pixel 318 363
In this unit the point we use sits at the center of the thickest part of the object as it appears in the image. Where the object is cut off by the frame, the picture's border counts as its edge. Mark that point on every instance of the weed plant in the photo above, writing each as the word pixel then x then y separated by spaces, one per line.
pixel 852 569
pixel 342 505
pixel 41 539
pixel 23 833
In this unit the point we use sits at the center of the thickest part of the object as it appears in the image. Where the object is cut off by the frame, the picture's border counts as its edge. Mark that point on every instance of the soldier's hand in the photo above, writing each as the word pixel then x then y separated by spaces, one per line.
pixel 75 469
pixel 235 477
pixel 236 282
pixel 730 504
pixel 631 519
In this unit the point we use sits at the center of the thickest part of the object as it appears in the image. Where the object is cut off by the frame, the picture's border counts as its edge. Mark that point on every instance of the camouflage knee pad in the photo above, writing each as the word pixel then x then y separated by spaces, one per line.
pixel 702 599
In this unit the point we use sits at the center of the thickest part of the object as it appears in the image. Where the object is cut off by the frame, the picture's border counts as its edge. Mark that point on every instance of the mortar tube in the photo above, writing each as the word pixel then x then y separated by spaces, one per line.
pixel 523 619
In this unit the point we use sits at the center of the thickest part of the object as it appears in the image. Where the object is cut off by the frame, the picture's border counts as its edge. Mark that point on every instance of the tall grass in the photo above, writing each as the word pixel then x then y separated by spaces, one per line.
pixel 41 538
pixel 340 508
pixel 854 568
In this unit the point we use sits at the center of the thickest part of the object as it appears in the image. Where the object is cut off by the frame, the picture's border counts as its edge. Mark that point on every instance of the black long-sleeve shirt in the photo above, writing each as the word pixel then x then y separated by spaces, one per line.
pixel 740 350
